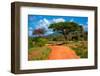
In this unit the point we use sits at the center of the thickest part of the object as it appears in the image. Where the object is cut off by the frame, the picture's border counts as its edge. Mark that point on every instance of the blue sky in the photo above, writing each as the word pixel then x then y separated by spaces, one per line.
pixel 43 21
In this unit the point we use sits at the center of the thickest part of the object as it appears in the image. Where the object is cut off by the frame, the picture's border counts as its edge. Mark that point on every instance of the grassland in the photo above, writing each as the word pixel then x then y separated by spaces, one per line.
pixel 39 53
pixel 80 47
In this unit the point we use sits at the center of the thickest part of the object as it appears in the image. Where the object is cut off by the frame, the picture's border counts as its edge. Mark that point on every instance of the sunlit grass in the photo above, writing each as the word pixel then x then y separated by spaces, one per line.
pixel 80 47
pixel 39 53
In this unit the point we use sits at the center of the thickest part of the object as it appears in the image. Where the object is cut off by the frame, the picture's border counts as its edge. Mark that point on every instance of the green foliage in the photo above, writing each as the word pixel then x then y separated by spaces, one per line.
pixel 40 41
pixel 80 52
pixel 85 35
pixel 56 37
pixel 30 44
pixel 66 27
pixel 80 48
pixel 36 42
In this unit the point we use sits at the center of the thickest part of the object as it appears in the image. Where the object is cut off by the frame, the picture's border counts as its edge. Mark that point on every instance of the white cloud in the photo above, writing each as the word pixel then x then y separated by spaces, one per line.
pixel 58 20
pixel 30 32
pixel 49 32
pixel 72 20
pixel 46 21
pixel 30 28
pixel 43 24
pixel 81 24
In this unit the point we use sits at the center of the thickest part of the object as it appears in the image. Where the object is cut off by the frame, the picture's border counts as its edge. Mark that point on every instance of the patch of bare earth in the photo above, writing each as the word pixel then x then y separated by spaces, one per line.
pixel 33 54
pixel 62 52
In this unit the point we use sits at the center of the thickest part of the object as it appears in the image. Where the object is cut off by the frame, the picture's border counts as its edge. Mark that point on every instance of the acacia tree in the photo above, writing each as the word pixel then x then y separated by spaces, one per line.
pixel 65 27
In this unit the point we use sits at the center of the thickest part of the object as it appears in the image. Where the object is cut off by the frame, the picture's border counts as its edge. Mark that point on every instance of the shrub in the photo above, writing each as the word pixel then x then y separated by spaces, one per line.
pixel 40 41
pixel 81 52
pixel 30 44
pixel 80 48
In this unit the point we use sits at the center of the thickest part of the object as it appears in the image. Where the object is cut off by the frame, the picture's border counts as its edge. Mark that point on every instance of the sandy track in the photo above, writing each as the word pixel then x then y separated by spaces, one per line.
pixel 62 52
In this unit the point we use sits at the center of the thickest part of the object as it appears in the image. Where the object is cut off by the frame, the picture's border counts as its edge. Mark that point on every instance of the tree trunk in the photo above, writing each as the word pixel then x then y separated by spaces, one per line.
pixel 65 37
pixel 64 33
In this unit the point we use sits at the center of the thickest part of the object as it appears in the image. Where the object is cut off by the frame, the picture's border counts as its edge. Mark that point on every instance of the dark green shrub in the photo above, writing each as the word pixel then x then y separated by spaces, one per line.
pixel 40 41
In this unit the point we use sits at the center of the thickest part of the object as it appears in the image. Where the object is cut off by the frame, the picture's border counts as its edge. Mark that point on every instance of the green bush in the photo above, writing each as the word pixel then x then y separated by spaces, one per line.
pixel 81 52
pixel 36 42
pixel 30 44
pixel 40 41
pixel 80 47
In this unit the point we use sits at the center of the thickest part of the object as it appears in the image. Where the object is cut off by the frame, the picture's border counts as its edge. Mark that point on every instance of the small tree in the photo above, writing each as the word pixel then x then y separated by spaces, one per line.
pixel 40 32
pixel 40 40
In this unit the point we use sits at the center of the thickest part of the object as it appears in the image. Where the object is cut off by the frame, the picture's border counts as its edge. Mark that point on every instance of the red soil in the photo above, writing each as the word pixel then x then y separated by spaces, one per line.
pixel 62 52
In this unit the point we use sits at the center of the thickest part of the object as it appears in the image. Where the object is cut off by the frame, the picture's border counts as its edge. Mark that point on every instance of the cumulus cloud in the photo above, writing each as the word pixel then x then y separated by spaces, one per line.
pixel 72 20
pixel 46 21
pixel 58 20
pixel 30 32
pixel 43 23
pixel 50 31
pixel 81 24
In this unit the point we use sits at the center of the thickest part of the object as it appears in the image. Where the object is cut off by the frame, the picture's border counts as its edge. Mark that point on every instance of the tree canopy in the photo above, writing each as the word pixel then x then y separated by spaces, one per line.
pixel 39 31
pixel 66 27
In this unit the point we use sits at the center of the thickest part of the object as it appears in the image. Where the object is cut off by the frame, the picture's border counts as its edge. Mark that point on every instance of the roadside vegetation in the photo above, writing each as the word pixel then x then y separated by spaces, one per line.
pixel 80 47
pixel 69 34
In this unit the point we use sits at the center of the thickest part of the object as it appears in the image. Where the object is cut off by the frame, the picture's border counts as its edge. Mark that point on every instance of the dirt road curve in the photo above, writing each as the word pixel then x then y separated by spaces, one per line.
pixel 62 52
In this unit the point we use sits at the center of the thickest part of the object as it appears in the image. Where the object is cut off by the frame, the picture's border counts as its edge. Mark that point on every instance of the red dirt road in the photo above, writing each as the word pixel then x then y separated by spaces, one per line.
pixel 62 52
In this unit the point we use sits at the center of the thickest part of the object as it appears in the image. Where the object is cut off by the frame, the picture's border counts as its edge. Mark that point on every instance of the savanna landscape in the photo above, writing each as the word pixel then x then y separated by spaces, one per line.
pixel 57 37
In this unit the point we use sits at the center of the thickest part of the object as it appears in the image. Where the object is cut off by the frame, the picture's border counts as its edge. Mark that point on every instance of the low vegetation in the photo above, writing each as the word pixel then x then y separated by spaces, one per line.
pixel 70 34
pixel 80 47
pixel 39 53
